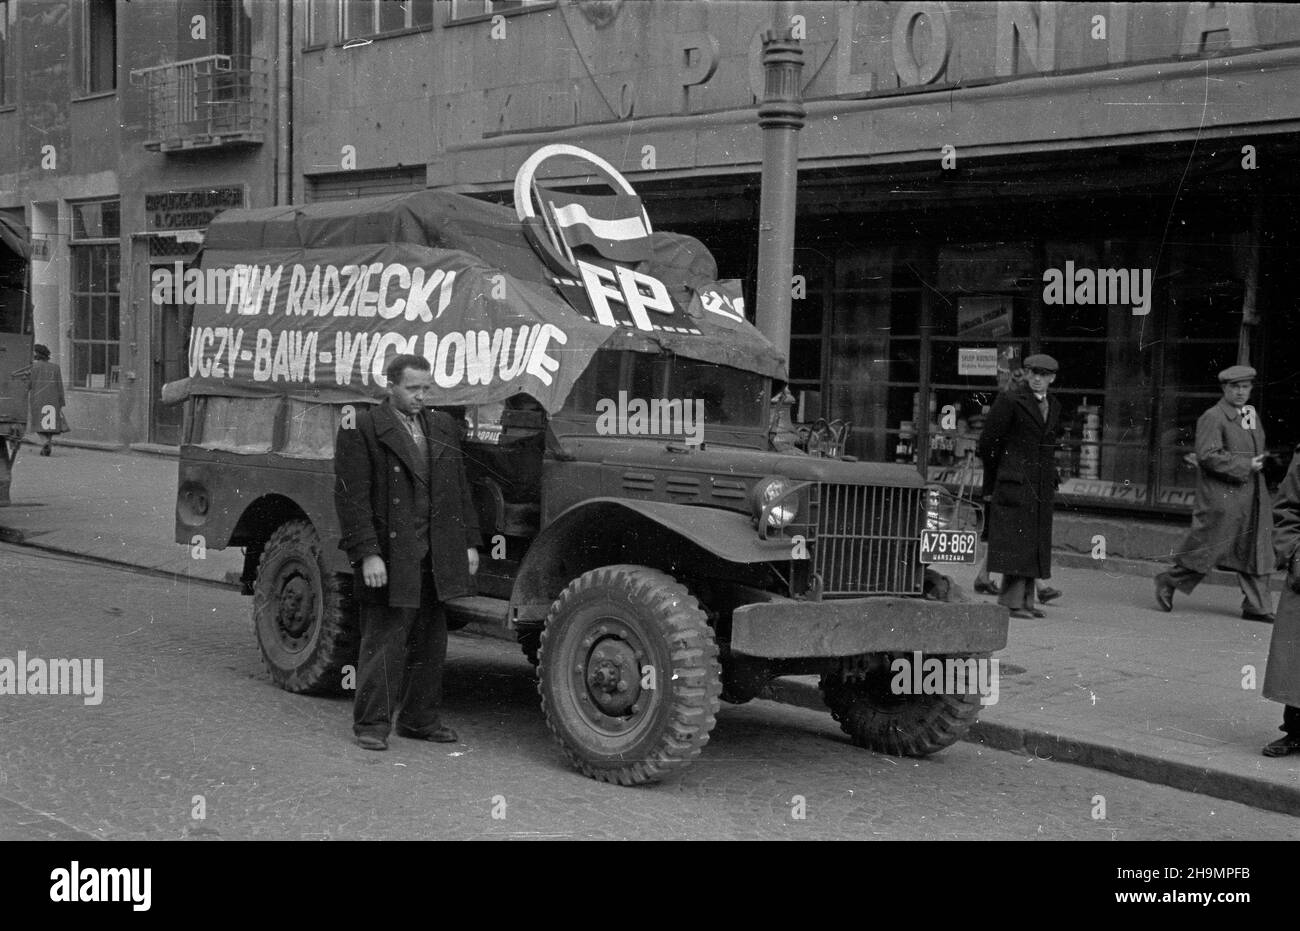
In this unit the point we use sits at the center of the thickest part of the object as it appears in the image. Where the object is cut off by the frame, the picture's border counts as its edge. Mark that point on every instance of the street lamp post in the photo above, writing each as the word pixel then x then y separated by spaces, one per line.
pixel 780 117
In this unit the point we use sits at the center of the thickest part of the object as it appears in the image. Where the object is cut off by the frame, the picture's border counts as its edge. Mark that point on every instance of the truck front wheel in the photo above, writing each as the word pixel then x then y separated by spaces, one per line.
pixel 629 675
pixel 306 626
pixel 877 718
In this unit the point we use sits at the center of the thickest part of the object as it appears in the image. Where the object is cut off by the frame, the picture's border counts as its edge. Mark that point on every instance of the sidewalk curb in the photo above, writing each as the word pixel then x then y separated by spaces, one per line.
pixel 18 538
pixel 1176 774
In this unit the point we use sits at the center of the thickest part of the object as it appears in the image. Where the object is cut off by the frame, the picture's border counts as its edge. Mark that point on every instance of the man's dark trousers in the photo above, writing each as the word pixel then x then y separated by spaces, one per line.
pixel 400 666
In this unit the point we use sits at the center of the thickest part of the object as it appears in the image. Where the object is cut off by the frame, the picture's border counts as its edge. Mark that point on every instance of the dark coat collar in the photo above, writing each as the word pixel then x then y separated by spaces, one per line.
pixel 392 432
pixel 1025 397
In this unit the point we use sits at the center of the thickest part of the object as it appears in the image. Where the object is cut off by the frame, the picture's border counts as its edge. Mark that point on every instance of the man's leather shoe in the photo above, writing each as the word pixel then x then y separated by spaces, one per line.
pixel 986 587
pixel 1027 614
pixel 1283 745
pixel 1164 593
pixel 1252 616
pixel 372 742
pixel 441 734
pixel 1047 593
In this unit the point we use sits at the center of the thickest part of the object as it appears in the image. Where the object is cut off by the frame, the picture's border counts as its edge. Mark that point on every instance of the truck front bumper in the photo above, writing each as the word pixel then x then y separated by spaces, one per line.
pixel 788 629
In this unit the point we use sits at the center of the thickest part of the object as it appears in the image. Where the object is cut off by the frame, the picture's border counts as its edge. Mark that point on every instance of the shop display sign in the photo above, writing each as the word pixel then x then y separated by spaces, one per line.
pixel 979 362
pixel 189 209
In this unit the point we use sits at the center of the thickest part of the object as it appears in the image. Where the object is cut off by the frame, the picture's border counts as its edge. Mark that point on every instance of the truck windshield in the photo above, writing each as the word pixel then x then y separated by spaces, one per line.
pixel 732 398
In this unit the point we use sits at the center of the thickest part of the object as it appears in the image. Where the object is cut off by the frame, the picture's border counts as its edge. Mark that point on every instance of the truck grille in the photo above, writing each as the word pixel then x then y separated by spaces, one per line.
pixel 869 540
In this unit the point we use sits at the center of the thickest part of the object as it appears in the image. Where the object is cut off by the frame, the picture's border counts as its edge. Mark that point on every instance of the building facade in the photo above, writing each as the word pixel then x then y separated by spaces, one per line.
pixel 124 127
pixel 1105 182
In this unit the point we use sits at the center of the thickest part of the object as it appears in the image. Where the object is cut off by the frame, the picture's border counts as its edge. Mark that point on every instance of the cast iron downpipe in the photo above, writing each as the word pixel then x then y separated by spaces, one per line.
pixel 780 117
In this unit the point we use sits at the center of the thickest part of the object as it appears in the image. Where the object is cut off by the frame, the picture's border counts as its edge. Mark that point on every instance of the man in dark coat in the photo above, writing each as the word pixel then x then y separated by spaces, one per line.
pixel 983 584
pixel 1232 526
pixel 1018 444
pixel 1282 676
pixel 409 528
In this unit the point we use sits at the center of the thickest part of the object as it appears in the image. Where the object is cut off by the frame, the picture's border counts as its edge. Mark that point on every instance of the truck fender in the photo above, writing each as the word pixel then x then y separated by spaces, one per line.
pixel 596 532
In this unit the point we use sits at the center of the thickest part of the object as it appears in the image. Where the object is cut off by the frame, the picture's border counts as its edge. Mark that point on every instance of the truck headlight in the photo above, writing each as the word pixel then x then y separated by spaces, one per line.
pixel 774 496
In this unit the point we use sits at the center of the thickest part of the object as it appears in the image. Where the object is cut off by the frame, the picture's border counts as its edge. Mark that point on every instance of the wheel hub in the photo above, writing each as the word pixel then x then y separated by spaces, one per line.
pixel 297 610
pixel 612 676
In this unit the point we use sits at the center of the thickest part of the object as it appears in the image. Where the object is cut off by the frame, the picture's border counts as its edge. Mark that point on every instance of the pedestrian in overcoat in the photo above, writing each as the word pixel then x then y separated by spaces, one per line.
pixel 983 584
pixel 1232 526
pixel 409 527
pixel 1282 676
pixel 45 400
pixel 1018 444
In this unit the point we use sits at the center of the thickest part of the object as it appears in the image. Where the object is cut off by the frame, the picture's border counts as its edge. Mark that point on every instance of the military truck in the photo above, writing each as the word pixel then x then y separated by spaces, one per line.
pixel 648 565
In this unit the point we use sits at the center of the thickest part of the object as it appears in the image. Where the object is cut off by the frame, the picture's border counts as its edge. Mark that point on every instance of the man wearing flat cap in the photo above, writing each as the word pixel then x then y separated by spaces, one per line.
pixel 1018 444
pixel 1232 525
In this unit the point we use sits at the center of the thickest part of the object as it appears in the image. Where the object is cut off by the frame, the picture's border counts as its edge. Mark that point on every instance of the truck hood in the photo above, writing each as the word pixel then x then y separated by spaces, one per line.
pixel 737 461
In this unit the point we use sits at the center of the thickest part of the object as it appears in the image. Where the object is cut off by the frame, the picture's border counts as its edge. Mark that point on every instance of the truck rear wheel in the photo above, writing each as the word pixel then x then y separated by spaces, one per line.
pixel 899 725
pixel 306 626
pixel 629 675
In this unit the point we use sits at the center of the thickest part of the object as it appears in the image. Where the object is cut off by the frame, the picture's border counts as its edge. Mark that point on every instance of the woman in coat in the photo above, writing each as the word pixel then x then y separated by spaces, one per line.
pixel 45 399
pixel 1018 445
pixel 1282 676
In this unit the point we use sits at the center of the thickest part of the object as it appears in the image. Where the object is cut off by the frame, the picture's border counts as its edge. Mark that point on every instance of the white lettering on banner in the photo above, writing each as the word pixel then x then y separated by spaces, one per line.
pixel 473 357
pixel 715 302
pixel 329 290
pixel 636 291
pixel 297 284
pixel 388 310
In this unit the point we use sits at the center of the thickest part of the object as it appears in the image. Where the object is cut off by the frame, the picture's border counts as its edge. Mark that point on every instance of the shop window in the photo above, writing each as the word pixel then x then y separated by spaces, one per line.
pixel 978 325
pixel 809 312
pixel 317 29
pixel 96 299
pixel 98 46
pixel 1201 335
pixel 8 52
pixel 361 18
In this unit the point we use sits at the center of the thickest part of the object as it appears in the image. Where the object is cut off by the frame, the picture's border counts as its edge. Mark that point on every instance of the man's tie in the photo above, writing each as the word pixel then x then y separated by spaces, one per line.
pixel 1042 407
pixel 417 434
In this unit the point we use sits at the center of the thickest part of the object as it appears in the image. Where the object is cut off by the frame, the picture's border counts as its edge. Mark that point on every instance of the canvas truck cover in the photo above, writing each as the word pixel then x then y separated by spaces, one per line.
pixel 317 297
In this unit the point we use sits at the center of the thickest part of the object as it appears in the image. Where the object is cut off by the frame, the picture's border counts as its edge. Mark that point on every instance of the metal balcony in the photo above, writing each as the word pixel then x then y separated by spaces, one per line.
pixel 204 103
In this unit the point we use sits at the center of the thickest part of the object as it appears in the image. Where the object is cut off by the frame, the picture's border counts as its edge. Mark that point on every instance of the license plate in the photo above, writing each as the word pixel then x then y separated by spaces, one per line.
pixel 948 546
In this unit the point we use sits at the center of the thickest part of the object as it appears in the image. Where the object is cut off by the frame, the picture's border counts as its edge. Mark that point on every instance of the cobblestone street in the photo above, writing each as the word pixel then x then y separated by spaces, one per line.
pixel 188 711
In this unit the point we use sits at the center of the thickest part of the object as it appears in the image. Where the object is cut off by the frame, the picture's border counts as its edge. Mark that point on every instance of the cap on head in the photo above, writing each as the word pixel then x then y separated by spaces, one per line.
pixel 1042 362
pixel 1236 373
pixel 41 351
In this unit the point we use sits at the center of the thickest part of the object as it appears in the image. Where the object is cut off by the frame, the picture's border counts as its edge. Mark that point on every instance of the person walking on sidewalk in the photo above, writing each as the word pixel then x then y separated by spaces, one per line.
pixel 983 584
pixel 1282 675
pixel 409 527
pixel 1232 526
pixel 1019 444
pixel 45 400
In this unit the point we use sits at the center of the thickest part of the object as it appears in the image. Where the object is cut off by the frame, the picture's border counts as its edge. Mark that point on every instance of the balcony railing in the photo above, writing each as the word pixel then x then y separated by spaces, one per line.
pixel 217 100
